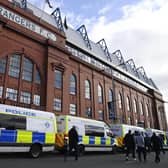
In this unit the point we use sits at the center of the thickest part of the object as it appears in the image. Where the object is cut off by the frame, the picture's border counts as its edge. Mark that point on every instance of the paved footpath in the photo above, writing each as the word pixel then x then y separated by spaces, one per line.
pixel 91 160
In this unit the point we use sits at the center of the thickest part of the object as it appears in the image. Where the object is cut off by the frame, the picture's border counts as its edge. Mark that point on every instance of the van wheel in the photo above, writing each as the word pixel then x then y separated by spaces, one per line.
pixel 81 150
pixel 35 150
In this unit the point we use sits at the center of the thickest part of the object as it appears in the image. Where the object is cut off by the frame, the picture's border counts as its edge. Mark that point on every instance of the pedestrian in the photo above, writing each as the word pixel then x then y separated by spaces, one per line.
pixel 65 147
pixel 148 146
pixel 161 137
pixel 140 143
pixel 73 141
pixel 155 142
pixel 129 142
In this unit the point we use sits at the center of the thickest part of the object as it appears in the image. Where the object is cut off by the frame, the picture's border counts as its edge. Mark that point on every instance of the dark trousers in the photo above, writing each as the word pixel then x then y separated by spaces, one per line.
pixel 75 147
pixel 130 150
pixel 141 150
pixel 157 156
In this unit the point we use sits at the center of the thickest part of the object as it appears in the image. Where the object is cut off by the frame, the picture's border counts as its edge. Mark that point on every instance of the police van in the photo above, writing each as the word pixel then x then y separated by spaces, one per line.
pixel 93 135
pixel 120 130
pixel 26 130
pixel 161 133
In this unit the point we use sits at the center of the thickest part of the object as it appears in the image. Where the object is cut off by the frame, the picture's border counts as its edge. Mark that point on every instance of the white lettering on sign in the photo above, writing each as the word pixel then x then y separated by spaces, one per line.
pixel 26 23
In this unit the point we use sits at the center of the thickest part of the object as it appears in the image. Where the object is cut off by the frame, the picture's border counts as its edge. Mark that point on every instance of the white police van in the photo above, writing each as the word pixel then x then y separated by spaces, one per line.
pixel 93 135
pixel 26 130
pixel 120 130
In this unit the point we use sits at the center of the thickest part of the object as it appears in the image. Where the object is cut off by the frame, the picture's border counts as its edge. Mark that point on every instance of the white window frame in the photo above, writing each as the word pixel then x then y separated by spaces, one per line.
pixel 57 106
pixel 72 109
pixel 36 100
pixel 25 97
pixel 11 94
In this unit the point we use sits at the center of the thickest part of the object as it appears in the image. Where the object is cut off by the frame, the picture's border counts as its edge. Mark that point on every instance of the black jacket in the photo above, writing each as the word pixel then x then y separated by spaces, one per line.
pixel 129 140
pixel 155 141
pixel 73 137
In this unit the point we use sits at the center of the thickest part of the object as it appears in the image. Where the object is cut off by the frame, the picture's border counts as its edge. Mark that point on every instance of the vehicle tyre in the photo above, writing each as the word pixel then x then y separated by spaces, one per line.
pixel 35 150
pixel 81 150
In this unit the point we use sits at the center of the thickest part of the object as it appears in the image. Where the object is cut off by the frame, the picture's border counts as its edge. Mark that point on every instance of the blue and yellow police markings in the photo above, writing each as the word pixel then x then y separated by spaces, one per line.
pixel 93 140
pixel 27 137
pixel 8 136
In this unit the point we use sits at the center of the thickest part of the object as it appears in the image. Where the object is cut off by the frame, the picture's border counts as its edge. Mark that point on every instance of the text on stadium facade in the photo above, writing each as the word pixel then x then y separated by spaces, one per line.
pixel 26 23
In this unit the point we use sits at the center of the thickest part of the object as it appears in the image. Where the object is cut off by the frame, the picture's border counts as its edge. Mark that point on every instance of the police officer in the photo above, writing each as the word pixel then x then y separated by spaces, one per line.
pixel 73 141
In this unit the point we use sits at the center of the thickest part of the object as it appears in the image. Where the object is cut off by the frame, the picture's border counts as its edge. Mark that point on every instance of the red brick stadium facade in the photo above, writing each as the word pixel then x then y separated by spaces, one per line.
pixel 40 69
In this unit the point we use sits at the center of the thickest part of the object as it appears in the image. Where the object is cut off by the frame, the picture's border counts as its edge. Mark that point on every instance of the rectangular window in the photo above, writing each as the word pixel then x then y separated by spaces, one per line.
pixel 12 122
pixel 1 91
pixel 92 130
pixel 11 94
pixel 2 65
pixel 100 115
pixel 88 112
pixel 25 97
pixel 129 120
pixel 36 100
pixel 58 79
pixel 72 109
pixel 14 67
pixel 57 104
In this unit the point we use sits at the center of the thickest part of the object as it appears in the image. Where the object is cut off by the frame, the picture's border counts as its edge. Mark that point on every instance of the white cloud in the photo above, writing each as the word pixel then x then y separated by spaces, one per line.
pixel 140 34
pixel 104 10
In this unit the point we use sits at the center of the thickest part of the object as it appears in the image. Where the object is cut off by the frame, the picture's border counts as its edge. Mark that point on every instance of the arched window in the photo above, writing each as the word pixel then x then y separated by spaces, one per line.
pixel 135 105
pixel 120 100
pixel 111 105
pixel 27 70
pixel 18 62
pixel 141 108
pixel 129 120
pixel 128 103
pixel 73 84
pixel 58 79
pixel 88 112
pixel 14 66
pixel 147 110
pixel 87 89
pixel 136 122
pixel 110 95
pixel 37 77
pixel 100 94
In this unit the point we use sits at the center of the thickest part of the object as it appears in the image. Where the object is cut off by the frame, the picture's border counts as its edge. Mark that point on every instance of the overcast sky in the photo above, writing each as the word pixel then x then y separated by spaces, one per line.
pixel 139 28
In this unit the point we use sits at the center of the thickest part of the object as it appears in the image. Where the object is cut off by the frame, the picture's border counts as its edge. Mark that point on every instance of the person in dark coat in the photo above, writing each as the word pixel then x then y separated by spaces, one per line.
pixel 155 142
pixel 148 146
pixel 73 141
pixel 161 137
pixel 129 142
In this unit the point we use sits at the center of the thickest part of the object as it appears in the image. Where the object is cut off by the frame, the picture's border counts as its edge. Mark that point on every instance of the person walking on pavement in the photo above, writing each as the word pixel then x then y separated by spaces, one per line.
pixel 161 137
pixel 65 147
pixel 147 139
pixel 73 141
pixel 155 141
pixel 140 143
pixel 129 142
